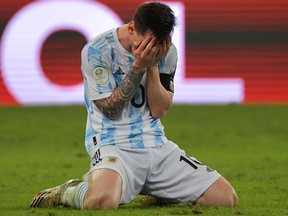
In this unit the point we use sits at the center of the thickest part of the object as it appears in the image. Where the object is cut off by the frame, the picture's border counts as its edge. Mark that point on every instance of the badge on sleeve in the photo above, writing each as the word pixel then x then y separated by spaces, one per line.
pixel 171 86
pixel 100 74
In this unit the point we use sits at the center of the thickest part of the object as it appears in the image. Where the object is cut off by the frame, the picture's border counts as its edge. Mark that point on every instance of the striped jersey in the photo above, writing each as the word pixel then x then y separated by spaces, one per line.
pixel 104 65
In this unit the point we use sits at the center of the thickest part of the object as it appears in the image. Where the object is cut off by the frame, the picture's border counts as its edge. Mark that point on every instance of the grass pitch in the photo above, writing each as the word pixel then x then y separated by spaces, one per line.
pixel 42 147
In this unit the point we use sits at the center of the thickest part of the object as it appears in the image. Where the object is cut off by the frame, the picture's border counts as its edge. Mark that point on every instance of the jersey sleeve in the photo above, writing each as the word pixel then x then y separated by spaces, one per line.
pixel 167 69
pixel 96 69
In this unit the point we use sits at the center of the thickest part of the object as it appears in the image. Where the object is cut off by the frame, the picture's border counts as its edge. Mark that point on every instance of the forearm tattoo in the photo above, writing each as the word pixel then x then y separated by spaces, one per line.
pixel 112 106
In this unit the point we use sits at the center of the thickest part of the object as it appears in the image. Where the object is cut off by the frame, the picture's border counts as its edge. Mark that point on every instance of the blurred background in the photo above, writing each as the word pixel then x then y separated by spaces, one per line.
pixel 229 51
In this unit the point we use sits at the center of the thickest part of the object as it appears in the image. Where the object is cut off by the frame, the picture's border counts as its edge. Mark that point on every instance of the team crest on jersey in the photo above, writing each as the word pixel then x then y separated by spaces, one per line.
pixel 100 74
pixel 112 160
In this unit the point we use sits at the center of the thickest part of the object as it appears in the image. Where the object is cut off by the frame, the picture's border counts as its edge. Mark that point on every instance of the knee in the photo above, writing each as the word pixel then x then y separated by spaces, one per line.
pixel 234 198
pixel 104 190
pixel 100 202
pixel 221 193
pixel 229 197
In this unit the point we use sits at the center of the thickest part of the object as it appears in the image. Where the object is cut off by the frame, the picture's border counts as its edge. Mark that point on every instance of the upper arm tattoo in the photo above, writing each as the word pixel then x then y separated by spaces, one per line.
pixel 112 106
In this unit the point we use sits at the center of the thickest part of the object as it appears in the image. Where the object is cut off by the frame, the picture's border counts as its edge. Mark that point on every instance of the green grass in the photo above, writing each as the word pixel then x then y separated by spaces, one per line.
pixel 42 147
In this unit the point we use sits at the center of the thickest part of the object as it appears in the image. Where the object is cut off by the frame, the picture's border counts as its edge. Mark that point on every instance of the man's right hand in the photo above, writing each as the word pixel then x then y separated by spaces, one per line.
pixel 145 52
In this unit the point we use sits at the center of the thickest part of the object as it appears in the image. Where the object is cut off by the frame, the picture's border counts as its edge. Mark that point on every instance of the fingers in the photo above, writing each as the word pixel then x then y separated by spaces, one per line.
pixel 166 46
pixel 160 53
pixel 149 47
pixel 142 45
pixel 144 52
pixel 149 51
pixel 163 49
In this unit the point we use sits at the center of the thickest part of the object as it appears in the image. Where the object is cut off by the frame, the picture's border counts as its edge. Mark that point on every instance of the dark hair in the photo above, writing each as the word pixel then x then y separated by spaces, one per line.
pixel 157 17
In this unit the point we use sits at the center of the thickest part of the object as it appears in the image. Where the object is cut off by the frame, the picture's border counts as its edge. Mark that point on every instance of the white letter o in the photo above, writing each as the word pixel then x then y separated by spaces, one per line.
pixel 24 36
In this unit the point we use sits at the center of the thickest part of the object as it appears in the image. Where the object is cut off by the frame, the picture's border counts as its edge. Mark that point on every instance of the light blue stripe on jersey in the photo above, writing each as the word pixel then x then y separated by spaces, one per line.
pixel 104 89
pixel 89 144
pixel 158 132
pixel 135 137
pixel 136 123
pixel 95 50
pixel 90 133
pixel 95 56
pixel 86 99
pixel 118 78
pixel 110 38
pixel 100 42
pixel 107 134
pixel 87 102
pixel 91 52
pixel 131 60
pixel 161 64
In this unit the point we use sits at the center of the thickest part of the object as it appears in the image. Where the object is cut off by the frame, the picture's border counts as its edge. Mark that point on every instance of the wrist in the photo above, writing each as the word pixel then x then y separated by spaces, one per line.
pixel 153 67
pixel 136 67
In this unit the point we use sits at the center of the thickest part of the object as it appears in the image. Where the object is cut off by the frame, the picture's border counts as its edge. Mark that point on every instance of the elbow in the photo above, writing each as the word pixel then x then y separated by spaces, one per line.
pixel 158 113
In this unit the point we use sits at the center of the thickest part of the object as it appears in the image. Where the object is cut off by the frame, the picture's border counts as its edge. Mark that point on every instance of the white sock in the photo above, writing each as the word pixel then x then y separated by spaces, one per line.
pixel 74 196
pixel 79 197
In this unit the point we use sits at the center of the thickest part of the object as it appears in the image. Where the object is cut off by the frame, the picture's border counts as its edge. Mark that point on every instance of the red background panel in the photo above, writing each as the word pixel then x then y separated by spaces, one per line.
pixel 237 15
pixel 264 68
pixel 53 62
pixel 245 39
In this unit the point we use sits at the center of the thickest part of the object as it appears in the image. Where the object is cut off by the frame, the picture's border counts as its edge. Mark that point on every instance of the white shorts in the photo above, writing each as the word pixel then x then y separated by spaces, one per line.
pixel 165 172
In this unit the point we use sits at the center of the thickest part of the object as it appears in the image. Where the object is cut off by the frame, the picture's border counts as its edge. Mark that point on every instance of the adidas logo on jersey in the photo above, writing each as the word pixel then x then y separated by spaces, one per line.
pixel 119 71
